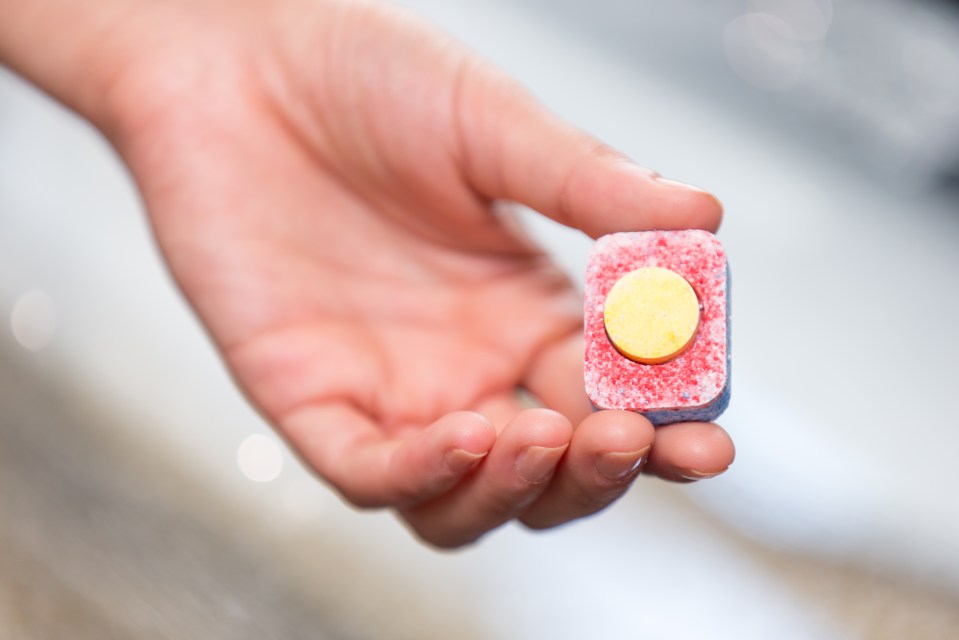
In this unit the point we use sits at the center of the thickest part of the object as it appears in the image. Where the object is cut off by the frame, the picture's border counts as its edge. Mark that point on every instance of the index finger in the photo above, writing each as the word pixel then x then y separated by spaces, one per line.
pixel 514 149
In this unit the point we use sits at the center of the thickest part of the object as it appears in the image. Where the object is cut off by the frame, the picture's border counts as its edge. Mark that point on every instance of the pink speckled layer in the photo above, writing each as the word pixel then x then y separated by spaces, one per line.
pixel 694 386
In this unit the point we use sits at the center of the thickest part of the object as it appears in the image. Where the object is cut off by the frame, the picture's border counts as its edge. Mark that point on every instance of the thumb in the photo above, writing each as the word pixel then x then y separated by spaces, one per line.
pixel 514 149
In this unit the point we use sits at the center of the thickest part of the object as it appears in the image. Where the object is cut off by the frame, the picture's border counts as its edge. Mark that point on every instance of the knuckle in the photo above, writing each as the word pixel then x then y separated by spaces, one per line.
pixel 359 498
pixel 503 505
pixel 539 524
pixel 443 539
pixel 593 499
pixel 598 150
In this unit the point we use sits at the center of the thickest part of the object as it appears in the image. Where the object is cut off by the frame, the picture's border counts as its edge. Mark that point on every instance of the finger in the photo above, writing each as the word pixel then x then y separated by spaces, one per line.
pixel 690 451
pixel 514 474
pixel 514 149
pixel 606 454
pixel 370 468
pixel 555 377
pixel 501 408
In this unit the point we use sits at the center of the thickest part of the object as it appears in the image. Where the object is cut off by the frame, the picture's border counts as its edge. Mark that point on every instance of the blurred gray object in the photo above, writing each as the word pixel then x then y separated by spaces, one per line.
pixel 99 542
pixel 876 81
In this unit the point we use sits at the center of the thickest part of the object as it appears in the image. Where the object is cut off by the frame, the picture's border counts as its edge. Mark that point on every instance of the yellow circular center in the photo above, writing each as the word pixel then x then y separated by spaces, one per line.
pixel 651 315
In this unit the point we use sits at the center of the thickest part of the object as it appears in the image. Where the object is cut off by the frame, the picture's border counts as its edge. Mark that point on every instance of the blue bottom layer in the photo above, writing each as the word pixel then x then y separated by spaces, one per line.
pixel 705 413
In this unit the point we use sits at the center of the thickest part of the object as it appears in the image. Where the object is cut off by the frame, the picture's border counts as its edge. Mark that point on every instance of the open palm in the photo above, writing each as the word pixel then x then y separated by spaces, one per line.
pixel 327 182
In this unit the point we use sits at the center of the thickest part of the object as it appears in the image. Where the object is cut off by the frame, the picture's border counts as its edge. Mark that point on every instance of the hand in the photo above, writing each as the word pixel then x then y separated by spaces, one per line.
pixel 327 181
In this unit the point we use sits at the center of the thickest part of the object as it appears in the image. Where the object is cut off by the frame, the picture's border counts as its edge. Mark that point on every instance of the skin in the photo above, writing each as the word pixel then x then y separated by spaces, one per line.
pixel 330 183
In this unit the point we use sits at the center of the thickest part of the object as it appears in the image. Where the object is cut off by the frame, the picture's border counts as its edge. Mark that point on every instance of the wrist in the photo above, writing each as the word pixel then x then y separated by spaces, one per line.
pixel 106 59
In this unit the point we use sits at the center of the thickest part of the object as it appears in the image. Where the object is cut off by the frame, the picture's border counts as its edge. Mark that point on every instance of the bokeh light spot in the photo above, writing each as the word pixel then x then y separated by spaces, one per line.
pixel 260 458
pixel 764 51
pixel 808 19
pixel 33 320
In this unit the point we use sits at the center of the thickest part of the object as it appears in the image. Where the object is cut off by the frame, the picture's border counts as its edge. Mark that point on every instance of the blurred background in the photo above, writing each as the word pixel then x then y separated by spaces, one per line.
pixel 141 498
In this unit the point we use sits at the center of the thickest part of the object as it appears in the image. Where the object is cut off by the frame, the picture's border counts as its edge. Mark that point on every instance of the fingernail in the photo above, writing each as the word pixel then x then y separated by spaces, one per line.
pixel 461 460
pixel 692 474
pixel 619 465
pixel 666 182
pixel 675 183
pixel 536 464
